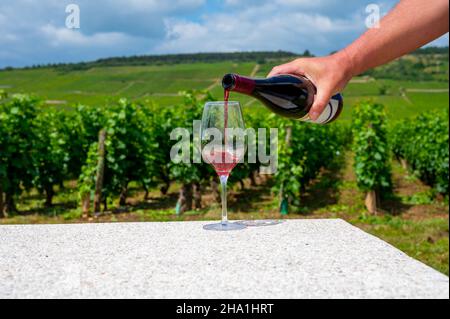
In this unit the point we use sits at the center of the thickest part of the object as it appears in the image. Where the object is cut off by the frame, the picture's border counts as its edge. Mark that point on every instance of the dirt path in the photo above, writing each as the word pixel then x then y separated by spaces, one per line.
pixel 362 80
pixel 164 94
pixel 427 90
pixel 55 102
pixel 412 197
pixel 126 87
pixel 252 101
pixel 255 70
pixel 405 97
pixel 212 86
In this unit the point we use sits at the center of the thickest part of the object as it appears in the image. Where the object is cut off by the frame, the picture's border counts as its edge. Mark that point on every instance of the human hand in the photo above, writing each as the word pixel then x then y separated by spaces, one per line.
pixel 329 74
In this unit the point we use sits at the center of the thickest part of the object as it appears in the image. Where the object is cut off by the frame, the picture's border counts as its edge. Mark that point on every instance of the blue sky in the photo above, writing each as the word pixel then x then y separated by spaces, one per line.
pixel 34 32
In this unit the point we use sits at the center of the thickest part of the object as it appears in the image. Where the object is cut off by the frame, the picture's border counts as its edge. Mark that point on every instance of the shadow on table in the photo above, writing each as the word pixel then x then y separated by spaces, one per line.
pixel 250 198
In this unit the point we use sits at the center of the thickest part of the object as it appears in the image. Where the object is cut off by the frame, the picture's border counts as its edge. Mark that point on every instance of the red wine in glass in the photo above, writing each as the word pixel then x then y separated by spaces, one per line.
pixel 222 161
pixel 218 121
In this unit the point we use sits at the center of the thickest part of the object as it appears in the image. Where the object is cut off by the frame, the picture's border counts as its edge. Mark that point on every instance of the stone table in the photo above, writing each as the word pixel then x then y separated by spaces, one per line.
pixel 295 259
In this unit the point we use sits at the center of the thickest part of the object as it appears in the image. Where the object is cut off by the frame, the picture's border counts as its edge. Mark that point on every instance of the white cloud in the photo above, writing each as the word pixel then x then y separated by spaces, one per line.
pixel 301 3
pixel 255 28
pixel 63 36
pixel 281 4
pixel 184 30
pixel 159 5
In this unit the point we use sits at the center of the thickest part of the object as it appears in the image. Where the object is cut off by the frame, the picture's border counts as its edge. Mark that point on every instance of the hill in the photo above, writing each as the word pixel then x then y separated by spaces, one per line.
pixel 426 64
pixel 416 82
pixel 143 60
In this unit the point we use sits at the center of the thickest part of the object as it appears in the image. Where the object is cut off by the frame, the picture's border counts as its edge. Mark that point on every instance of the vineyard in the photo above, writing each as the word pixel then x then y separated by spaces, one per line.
pixel 107 150
pixel 421 146
pixel 104 154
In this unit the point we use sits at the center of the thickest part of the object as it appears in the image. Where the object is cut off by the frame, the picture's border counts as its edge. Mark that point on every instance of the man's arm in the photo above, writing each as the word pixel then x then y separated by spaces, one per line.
pixel 410 25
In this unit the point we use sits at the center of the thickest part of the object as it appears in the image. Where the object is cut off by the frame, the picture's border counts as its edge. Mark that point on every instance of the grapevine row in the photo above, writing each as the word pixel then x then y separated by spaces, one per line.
pixel 422 145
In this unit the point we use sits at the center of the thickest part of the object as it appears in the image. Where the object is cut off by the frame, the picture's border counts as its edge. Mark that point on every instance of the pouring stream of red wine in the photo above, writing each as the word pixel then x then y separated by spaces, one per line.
pixel 225 116
pixel 226 97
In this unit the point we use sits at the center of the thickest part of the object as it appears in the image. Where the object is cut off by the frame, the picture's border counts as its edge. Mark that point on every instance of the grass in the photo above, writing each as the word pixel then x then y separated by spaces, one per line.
pixel 161 83
pixel 425 240
pixel 399 102
pixel 100 85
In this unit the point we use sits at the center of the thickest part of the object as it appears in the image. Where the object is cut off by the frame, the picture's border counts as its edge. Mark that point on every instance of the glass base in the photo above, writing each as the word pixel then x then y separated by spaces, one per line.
pixel 259 223
pixel 224 227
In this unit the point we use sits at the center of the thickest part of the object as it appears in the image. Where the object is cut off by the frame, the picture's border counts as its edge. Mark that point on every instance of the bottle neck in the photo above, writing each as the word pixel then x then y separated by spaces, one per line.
pixel 240 84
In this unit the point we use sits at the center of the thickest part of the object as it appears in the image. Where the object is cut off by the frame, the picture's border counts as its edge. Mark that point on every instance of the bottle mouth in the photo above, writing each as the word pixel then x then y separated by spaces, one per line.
pixel 229 82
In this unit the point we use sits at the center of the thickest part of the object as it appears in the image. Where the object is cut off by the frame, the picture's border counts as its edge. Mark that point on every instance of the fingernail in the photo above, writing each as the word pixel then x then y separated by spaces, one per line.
pixel 314 115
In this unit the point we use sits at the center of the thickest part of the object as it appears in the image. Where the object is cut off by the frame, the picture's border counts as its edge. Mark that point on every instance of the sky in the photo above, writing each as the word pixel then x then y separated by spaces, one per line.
pixel 35 31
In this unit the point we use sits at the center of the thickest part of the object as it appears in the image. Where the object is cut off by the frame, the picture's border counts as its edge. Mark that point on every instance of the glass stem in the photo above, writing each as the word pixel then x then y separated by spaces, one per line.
pixel 223 186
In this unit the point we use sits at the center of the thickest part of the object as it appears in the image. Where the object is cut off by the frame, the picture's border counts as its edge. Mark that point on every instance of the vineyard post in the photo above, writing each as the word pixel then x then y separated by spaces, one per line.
pixel 404 163
pixel 284 202
pixel 215 190
pixel 372 153
pixel 123 196
pixel 253 176
pixel 165 187
pixel 10 205
pixel 100 171
pixel 1 201
pixel 146 194
pixel 197 195
pixel 85 204
pixel 371 202
pixel 185 197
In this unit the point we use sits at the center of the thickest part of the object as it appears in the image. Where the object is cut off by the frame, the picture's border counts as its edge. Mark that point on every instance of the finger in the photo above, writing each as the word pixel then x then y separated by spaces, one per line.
pixel 288 68
pixel 321 100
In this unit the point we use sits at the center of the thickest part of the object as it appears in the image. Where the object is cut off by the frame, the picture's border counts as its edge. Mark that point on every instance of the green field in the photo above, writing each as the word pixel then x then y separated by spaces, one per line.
pixel 101 85
pixel 162 83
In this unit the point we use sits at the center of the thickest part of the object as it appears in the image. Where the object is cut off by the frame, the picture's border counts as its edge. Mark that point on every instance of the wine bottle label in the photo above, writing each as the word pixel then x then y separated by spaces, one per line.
pixel 328 113
pixel 283 103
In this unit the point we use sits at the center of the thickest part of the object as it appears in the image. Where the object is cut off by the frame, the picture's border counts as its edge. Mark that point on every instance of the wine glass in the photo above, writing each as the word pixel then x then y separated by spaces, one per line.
pixel 223 141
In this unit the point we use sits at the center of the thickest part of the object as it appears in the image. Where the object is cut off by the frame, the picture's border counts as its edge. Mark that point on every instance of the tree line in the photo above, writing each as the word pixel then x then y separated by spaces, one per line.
pixel 143 60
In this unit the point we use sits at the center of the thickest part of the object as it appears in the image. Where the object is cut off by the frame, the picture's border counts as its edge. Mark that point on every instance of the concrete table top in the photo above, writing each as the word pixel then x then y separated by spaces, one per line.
pixel 295 259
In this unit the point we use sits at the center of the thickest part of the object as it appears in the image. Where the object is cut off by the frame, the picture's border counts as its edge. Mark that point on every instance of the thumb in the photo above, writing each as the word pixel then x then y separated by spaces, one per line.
pixel 321 100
